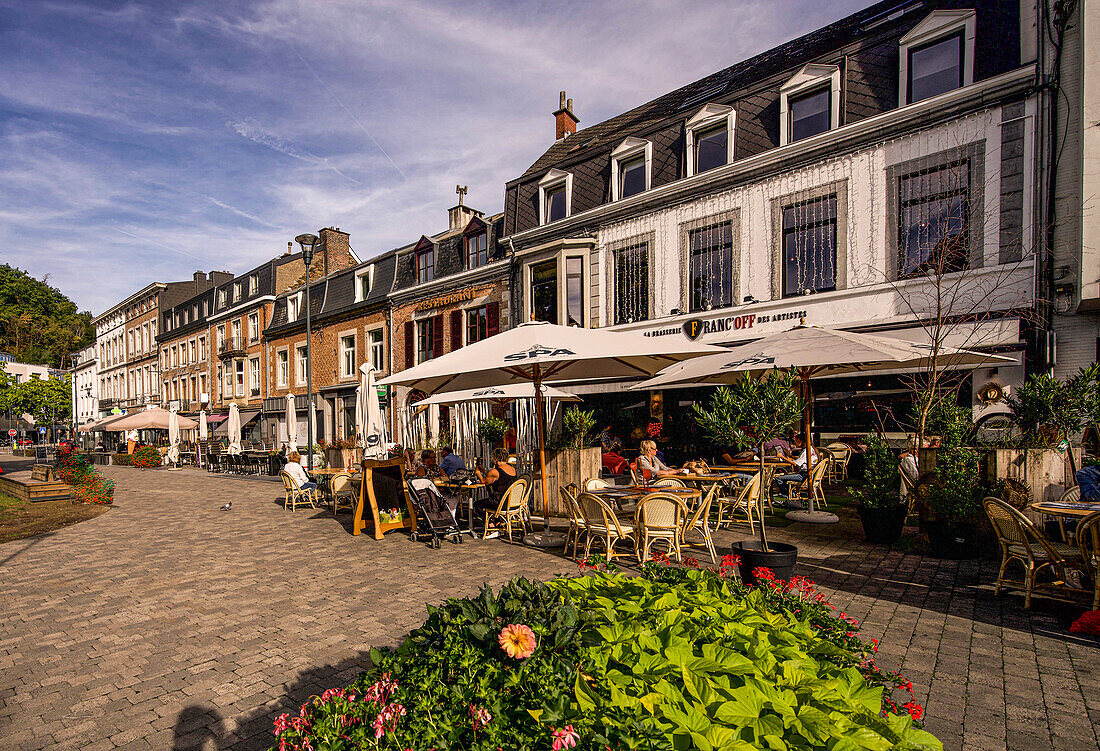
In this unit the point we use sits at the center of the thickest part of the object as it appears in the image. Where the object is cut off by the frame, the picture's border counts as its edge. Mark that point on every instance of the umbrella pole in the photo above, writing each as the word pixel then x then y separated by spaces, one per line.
pixel 811 514
pixel 544 540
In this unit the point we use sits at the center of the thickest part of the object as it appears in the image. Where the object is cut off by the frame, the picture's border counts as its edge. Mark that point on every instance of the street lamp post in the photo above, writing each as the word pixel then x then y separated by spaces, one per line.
pixel 308 243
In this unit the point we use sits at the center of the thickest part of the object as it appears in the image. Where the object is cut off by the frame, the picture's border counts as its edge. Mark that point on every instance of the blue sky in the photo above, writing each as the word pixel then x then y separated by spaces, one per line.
pixel 145 140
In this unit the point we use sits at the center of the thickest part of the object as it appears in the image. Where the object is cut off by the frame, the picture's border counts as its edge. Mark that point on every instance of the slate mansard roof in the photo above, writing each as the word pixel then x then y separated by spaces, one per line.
pixel 334 295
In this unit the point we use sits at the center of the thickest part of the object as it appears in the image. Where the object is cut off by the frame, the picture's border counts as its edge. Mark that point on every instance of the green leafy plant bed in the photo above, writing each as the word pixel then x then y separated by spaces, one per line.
pixel 679 658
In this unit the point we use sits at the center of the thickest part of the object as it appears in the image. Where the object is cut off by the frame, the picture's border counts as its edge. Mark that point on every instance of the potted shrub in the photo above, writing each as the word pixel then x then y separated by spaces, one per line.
pixel 571 457
pixel 878 501
pixel 950 504
pixel 749 413
pixel 492 429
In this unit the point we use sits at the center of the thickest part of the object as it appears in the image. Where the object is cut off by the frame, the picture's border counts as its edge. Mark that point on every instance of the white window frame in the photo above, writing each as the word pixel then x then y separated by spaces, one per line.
pixel 296 307
pixel 300 363
pixel 630 149
pixel 344 373
pixel 559 258
pixel 239 376
pixel 935 26
pixel 236 292
pixel 553 179
pixel 253 374
pixel 221 297
pixel 811 77
pixel 253 283
pixel 705 119
pixel 368 274
pixel 282 367
pixel 381 331
pixel 253 326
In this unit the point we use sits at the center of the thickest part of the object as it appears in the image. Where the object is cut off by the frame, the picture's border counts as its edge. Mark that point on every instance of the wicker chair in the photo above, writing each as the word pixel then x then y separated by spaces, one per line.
pixel 744 500
pixel 295 495
pixel 842 454
pixel 802 489
pixel 512 508
pixel 1073 495
pixel 697 522
pixel 576 517
pixel 667 482
pixel 636 474
pixel 595 483
pixel 342 490
pixel 602 525
pixel 1022 541
pixel 1088 542
pixel 660 517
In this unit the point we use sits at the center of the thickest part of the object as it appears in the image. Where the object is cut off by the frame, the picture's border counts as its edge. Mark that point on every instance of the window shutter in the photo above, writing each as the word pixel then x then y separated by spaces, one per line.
pixel 437 336
pixel 456 330
pixel 410 344
pixel 492 316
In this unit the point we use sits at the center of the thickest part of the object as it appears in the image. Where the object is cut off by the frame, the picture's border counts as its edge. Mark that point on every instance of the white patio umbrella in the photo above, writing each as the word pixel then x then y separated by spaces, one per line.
pixel 814 352
pixel 204 427
pixel 291 425
pixel 536 351
pixel 173 437
pixel 368 416
pixel 153 418
pixel 497 395
pixel 233 429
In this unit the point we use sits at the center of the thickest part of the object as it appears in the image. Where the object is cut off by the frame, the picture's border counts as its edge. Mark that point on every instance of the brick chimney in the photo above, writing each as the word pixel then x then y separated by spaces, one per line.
pixel 460 215
pixel 335 250
pixel 565 122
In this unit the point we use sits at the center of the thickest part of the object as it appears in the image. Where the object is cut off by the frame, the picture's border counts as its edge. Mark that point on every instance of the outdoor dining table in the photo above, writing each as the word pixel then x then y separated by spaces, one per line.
pixel 637 492
pixel 324 478
pixel 1069 510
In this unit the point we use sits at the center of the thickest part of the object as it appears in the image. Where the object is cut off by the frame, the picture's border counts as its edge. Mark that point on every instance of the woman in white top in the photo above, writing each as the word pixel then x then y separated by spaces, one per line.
pixel 295 470
pixel 648 461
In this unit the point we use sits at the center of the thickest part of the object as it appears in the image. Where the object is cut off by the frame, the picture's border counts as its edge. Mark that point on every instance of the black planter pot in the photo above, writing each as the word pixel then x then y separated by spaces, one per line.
pixel 949 540
pixel 780 559
pixel 882 526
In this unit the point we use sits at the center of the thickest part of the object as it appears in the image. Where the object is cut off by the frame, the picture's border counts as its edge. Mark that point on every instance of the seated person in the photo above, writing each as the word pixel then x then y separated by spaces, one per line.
pixel 451 462
pixel 427 466
pixel 740 457
pixel 614 463
pixel 497 479
pixel 778 446
pixel 1088 479
pixel 648 462
pixel 610 442
pixel 799 474
pixel 294 468
pixel 907 467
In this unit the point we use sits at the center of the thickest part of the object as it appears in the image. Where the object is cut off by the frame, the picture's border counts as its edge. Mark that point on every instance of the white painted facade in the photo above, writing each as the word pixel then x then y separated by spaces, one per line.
pixel 85 385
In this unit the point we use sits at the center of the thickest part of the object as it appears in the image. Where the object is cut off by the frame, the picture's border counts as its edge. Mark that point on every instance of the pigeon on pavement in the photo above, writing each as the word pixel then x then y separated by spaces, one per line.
pixel 227 506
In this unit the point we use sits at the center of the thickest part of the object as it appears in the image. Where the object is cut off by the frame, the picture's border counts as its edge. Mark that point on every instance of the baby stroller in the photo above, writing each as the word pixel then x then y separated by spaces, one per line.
pixel 434 517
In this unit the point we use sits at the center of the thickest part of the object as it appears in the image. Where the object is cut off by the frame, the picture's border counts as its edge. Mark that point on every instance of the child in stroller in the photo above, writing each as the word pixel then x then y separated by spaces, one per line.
pixel 435 514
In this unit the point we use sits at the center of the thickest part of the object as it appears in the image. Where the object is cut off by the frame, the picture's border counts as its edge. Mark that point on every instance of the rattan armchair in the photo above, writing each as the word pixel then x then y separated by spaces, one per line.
pixel 595 483
pixel 602 525
pixel 743 500
pixel 660 517
pixel 841 454
pixel 699 524
pixel 511 509
pixel 1022 541
pixel 576 518
pixel 667 482
pixel 296 495
pixel 1088 543
pixel 343 492
pixel 817 476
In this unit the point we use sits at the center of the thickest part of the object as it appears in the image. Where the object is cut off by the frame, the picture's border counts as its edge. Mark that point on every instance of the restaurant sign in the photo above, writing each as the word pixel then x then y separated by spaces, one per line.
pixel 697 327
pixel 438 302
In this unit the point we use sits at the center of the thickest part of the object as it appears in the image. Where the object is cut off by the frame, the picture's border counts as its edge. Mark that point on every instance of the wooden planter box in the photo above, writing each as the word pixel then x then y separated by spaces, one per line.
pixel 1045 472
pixel 564 467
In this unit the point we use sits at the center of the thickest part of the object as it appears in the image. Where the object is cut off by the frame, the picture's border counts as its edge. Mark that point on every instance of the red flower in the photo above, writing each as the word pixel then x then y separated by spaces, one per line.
pixel 1088 623
pixel 763 573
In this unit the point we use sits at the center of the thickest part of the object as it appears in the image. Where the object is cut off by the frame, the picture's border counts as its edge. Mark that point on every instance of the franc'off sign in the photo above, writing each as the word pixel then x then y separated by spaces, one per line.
pixel 695 328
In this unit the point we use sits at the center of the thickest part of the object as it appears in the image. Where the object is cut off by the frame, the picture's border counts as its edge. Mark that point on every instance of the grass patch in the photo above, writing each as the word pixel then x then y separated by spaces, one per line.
pixel 20 519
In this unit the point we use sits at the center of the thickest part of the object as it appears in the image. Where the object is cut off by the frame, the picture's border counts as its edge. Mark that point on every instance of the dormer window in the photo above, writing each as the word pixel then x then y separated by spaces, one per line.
pixel 221 297
pixel 293 307
pixel 937 56
pixel 364 280
pixel 809 103
pixel 555 196
pixel 710 138
pixel 253 283
pixel 236 291
pixel 630 168
pixel 424 261
pixel 477 247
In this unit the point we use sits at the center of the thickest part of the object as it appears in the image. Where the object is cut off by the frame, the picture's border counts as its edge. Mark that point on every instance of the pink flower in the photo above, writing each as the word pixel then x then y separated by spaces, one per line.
pixel 566 737
pixel 480 716
pixel 517 641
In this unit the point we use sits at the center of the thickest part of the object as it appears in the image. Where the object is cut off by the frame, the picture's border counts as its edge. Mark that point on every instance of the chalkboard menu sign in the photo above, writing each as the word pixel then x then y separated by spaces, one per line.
pixel 382 491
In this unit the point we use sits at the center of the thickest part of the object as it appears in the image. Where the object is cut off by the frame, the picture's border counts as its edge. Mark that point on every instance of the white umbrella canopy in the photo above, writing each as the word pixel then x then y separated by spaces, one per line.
pixel 537 351
pixel 505 393
pixel 233 429
pixel 291 425
pixel 204 427
pixel 152 418
pixel 173 437
pixel 368 415
pixel 814 352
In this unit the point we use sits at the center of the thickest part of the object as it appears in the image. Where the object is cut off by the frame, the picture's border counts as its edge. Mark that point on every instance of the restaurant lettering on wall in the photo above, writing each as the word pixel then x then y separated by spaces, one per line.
pixel 696 327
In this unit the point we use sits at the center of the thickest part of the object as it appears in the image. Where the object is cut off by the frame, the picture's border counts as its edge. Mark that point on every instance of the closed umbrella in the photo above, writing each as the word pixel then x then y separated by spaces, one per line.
pixel 173 437
pixel 537 351
pixel 291 425
pixel 204 427
pixel 368 415
pixel 233 428
pixel 814 352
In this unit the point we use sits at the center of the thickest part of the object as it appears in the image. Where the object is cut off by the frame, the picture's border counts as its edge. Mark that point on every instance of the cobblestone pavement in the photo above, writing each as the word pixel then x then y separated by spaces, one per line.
pixel 169 624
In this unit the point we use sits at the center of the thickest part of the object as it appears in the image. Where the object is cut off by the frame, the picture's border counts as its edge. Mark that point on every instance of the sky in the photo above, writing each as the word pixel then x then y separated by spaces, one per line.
pixel 142 141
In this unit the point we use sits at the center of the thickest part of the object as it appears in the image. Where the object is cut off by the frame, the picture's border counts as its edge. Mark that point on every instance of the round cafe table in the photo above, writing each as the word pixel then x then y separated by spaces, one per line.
pixel 1069 510
pixel 634 493
pixel 468 491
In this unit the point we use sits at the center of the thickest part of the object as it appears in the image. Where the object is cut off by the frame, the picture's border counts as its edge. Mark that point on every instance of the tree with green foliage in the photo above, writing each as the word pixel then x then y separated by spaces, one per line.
pixel 47 400
pixel 38 323
pixel 578 424
pixel 1049 410
pixel 751 412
